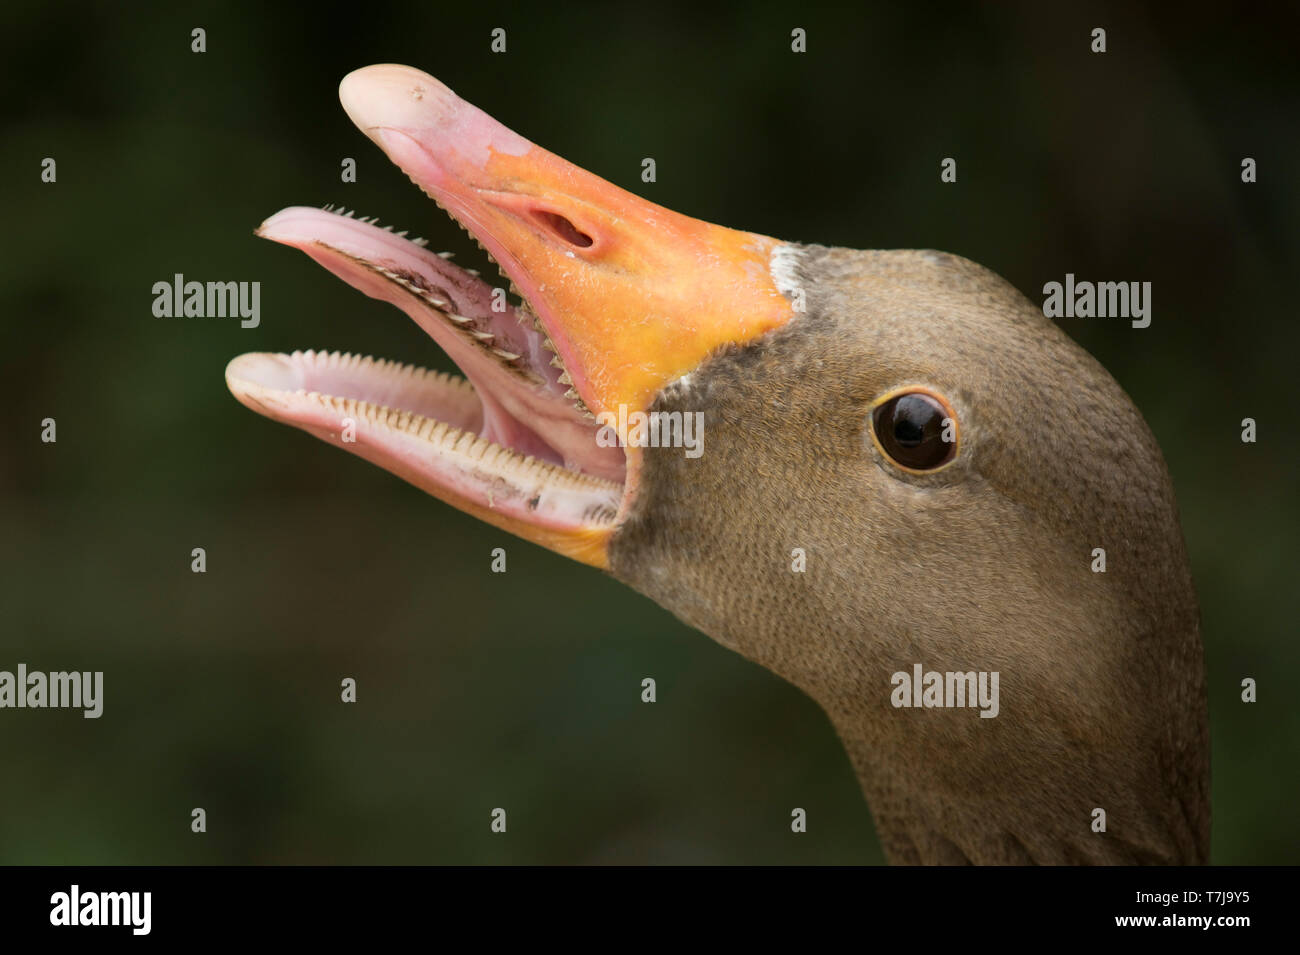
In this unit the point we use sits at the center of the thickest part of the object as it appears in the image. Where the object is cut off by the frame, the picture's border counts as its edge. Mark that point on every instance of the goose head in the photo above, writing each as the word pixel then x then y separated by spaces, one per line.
pixel 856 468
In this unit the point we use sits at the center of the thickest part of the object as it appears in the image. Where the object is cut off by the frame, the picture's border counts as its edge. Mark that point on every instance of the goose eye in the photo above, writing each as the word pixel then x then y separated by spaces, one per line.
pixel 916 431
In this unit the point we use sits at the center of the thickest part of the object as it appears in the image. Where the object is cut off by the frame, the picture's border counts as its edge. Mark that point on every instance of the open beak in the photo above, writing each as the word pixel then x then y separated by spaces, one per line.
pixel 620 298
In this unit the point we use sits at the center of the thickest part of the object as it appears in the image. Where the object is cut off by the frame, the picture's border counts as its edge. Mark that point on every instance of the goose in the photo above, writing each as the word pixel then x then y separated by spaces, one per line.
pixel 879 474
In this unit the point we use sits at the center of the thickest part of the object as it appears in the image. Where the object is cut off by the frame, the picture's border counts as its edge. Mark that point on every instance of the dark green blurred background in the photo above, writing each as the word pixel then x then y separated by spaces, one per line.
pixel 478 690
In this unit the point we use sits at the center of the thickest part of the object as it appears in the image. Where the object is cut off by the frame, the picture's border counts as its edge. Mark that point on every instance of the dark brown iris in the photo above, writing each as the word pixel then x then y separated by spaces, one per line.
pixel 911 430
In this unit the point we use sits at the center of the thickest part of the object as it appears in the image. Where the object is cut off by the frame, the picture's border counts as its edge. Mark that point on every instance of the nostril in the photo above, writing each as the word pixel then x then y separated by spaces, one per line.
pixel 562 227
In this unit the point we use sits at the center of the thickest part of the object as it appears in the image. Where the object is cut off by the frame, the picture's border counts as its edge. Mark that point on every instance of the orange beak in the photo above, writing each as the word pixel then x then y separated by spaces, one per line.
pixel 630 296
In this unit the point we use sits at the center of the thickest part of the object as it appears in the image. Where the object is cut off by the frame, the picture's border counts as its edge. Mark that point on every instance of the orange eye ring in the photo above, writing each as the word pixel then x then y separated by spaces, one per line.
pixel 916 429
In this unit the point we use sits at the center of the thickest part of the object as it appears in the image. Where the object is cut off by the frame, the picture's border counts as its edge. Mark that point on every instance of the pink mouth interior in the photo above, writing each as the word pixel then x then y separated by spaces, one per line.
pixel 514 435
pixel 520 401
pixel 500 351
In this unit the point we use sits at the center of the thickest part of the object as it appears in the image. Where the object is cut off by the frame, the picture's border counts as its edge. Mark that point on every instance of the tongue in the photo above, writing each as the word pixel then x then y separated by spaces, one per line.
pixel 523 401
